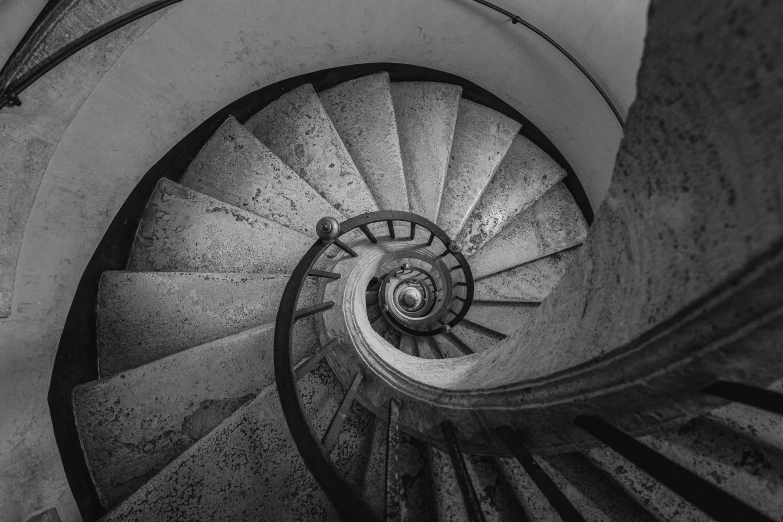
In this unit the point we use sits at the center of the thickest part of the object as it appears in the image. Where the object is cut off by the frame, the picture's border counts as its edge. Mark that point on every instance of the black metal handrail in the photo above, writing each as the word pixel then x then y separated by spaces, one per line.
pixel 348 504
pixel 10 95
pixel 516 19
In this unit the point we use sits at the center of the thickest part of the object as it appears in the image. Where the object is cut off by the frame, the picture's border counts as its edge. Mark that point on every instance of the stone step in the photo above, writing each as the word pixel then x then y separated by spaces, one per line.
pixel 592 493
pixel 297 129
pixel 482 137
pixel 502 318
pixel 523 176
pixel 738 463
pixel 363 114
pixel 427 348
pixel 408 345
pixel 449 347
pixel 184 230
pixel 426 116
pixel 248 467
pixel 531 282
pixel 133 424
pixel 385 330
pixel 236 168
pixel 145 316
pixel 476 338
pixel 416 499
pixel 551 224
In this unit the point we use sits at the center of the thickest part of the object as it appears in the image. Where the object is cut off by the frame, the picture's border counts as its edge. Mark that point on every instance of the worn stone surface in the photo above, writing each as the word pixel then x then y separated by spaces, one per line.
pixel 247 468
pixel 185 230
pixel 528 283
pixel 236 168
pixel 476 338
pixel 762 425
pixel 426 349
pixel 524 175
pixel 448 499
pixel 390 335
pixel 134 423
pixel 426 115
pixel 500 317
pixel 50 515
pixel 145 316
pixel 298 130
pixel 482 137
pixel 552 224
pixel 448 347
pixel 494 492
pixel 362 112
pixel 408 345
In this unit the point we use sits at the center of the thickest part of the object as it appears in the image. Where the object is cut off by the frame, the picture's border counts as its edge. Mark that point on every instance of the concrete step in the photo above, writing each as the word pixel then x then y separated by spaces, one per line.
pixel 363 114
pixel 498 502
pixel 523 176
pixel 476 338
pixel 427 348
pixel 594 494
pixel 297 129
pixel 133 424
pixel 248 467
pixel 531 282
pixel 184 230
pixel 416 498
pixel 391 335
pixel 408 345
pixel 449 347
pixel 236 168
pixel 145 316
pixel 551 224
pixel 503 318
pixel 426 116
pixel 482 137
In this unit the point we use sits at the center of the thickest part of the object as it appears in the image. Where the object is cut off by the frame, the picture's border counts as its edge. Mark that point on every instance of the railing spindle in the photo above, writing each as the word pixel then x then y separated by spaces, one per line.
pixel 760 398
pixel 345 248
pixel 370 236
pixel 304 367
pixel 312 310
pixel 472 504
pixel 322 273
pixel 390 224
pixel 330 438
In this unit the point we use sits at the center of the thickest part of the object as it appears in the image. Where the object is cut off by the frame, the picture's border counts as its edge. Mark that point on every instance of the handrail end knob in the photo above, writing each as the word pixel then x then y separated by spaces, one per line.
pixel 327 228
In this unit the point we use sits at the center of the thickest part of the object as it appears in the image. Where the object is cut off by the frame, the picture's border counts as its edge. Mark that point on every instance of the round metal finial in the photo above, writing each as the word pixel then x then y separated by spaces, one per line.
pixel 406 266
pixel 446 329
pixel 327 228
pixel 455 247
pixel 385 308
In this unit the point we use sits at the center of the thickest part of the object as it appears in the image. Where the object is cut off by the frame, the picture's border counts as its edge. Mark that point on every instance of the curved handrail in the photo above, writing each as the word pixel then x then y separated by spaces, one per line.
pixel 348 504
pixel 10 95
pixel 516 19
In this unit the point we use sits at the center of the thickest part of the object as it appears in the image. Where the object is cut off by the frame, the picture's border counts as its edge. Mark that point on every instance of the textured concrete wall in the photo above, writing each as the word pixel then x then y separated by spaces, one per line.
pixel 16 16
pixel 89 130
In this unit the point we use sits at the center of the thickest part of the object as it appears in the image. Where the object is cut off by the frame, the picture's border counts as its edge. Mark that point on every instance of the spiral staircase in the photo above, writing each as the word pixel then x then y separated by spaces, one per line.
pixel 331 240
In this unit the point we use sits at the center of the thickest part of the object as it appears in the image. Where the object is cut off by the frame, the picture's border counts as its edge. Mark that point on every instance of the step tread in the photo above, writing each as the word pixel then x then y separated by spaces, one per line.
pixel 426 116
pixel 476 338
pixel 447 347
pixel 551 224
pixel 131 425
pixel 185 230
pixel 145 316
pixel 362 112
pixel 501 317
pixel 482 137
pixel 426 350
pixel 236 168
pixel 524 175
pixel 531 282
pixel 297 129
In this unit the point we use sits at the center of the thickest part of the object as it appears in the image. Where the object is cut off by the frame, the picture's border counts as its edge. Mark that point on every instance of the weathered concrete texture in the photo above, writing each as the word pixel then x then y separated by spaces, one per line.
pixel 133 424
pixel 762 425
pixel 236 168
pixel 145 316
pixel 50 515
pixel 185 230
pixel 416 499
pixel 527 283
pixel 476 338
pixel 448 499
pixel 552 224
pixel 495 494
pixel 448 347
pixel 391 335
pixel 523 176
pixel 362 112
pixel 247 468
pixel 426 348
pixel 500 317
pixel 482 137
pixel 408 345
pixel 298 130
pixel 426 115
pixel 588 488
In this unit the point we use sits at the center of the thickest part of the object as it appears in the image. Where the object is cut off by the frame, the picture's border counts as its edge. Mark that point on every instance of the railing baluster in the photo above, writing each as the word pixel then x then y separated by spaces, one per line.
pixel 552 493
pixel 760 398
pixel 393 484
pixel 460 283
pixel 390 224
pixel 330 438
pixel 366 230
pixel 304 367
pixel 712 500
pixel 431 239
pixel 453 268
pixel 311 310
pixel 345 248
pixel 413 231
pixel 444 254
pixel 458 298
pixel 323 273
pixel 472 504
